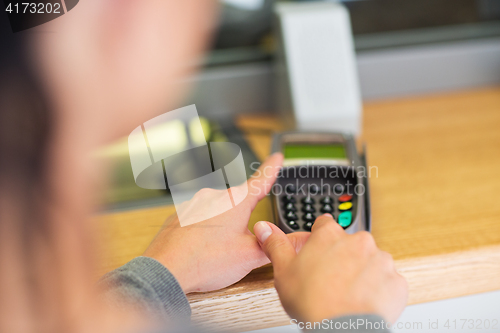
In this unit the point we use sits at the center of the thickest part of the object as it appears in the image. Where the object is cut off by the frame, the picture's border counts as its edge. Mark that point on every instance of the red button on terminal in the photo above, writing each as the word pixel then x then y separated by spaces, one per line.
pixel 345 197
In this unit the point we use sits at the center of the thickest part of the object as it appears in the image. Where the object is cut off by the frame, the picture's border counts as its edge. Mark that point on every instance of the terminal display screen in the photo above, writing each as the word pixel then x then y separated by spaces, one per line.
pixel 314 151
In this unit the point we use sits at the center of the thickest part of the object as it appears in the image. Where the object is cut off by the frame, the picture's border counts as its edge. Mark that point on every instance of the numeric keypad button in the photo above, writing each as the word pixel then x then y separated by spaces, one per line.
pixel 290 188
pixel 313 189
pixel 327 200
pixel 291 216
pixel 308 201
pixel 327 209
pixel 308 209
pixel 292 224
pixel 290 207
pixel 308 226
pixel 338 189
pixel 309 217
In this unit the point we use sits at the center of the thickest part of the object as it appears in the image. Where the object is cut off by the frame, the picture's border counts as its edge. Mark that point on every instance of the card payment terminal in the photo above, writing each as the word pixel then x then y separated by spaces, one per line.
pixel 322 173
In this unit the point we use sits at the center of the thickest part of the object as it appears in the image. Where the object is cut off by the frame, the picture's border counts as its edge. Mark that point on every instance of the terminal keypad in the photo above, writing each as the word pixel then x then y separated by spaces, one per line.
pixel 301 211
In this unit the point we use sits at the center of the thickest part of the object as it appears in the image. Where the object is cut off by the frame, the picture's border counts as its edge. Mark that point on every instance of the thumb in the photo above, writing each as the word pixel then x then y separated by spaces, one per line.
pixel 276 245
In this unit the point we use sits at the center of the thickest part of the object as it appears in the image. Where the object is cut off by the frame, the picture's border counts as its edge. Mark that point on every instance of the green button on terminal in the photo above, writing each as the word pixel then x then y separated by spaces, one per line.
pixel 345 219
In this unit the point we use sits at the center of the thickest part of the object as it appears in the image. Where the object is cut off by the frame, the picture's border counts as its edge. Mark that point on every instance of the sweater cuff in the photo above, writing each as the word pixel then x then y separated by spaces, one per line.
pixel 145 279
pixel 166 286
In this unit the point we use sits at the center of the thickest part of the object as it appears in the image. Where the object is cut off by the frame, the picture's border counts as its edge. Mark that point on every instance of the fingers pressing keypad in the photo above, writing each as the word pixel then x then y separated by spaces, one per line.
pixel 300 212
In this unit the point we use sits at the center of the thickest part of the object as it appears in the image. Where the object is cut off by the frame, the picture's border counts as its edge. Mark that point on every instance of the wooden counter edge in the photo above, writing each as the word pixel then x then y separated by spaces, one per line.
pixel 430 278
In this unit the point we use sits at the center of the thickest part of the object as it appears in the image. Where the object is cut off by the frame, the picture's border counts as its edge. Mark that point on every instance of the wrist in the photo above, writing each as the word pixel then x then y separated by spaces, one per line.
pixel 177 271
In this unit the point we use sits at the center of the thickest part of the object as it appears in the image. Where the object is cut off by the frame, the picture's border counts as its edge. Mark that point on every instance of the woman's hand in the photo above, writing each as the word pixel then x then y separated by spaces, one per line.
pixel 219 251
pixel 334 274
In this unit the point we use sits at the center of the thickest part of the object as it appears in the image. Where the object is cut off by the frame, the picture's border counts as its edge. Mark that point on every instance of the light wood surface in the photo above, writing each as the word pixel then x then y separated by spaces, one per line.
pixel 435 206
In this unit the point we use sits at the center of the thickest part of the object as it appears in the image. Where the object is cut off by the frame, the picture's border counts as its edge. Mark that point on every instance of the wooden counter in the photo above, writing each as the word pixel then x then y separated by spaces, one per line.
pixel 435 206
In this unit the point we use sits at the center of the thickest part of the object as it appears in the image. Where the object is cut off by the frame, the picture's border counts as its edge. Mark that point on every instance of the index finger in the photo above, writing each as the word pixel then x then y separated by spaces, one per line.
pixel 327 229
pixel 261 182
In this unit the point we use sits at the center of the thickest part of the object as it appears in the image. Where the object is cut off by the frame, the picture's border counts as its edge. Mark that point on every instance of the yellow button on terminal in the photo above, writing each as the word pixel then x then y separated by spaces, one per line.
pixel 345 206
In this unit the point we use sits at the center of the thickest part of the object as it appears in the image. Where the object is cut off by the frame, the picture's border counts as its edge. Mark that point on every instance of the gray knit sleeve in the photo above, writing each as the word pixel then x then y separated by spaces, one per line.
pixel 367 323
pixel 149 287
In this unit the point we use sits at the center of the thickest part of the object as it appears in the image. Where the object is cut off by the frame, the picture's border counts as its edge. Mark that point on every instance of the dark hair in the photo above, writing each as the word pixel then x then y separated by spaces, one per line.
pixel 25 132
pixel 24 113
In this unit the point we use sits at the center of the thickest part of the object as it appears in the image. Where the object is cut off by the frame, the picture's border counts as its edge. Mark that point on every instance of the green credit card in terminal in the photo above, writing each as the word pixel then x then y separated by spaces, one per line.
pixel 322 173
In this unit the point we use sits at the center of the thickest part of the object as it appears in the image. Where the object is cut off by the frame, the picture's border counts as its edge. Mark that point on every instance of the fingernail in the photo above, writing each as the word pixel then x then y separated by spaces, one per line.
pixel 329 215
pixel 262 230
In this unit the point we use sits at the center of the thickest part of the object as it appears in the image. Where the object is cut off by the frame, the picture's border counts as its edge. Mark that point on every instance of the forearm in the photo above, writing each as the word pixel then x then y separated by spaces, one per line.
pixel 149 287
